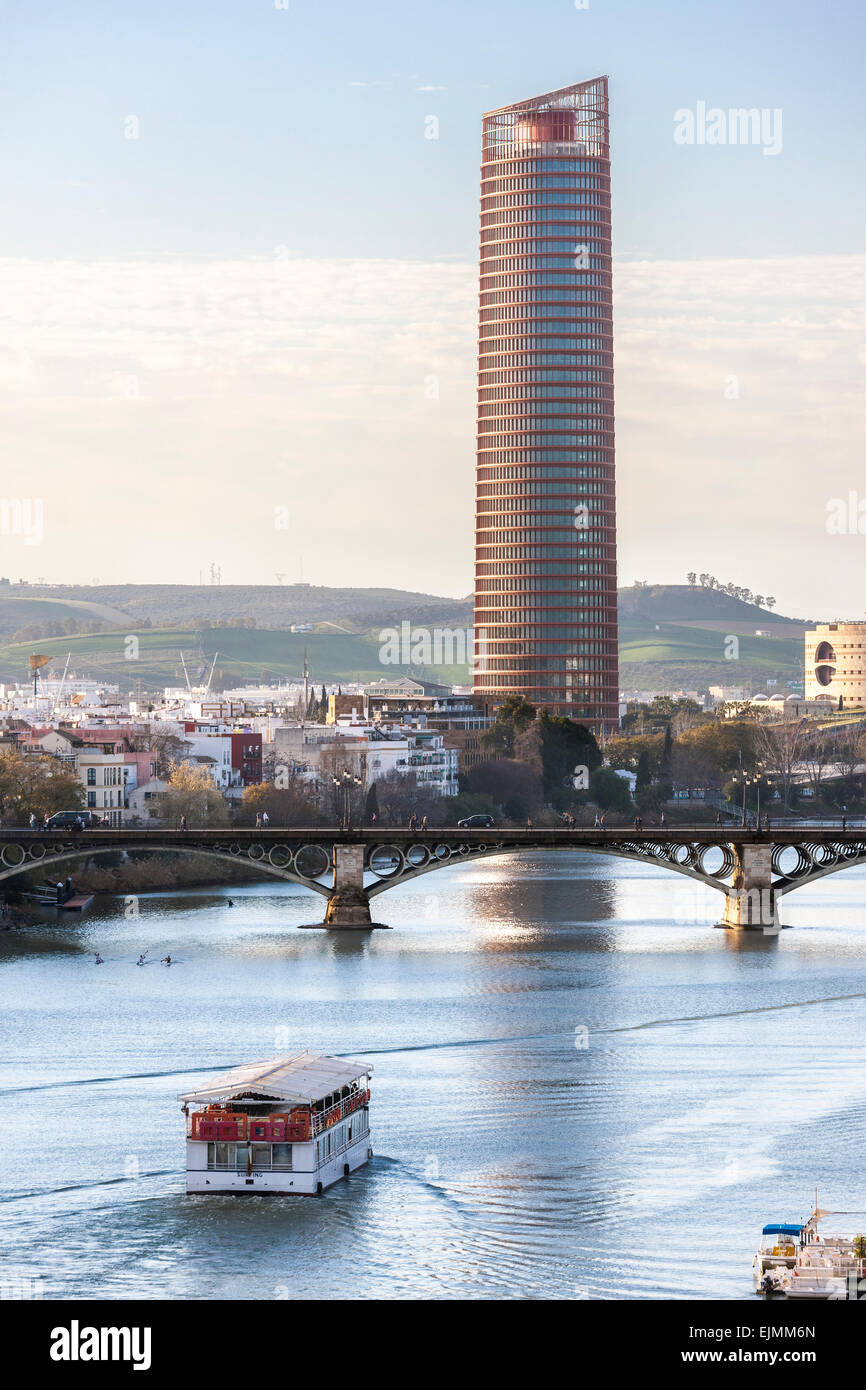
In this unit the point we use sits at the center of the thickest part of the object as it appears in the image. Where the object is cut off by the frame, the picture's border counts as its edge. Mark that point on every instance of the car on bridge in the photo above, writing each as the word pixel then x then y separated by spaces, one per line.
pixel 477 823
pixel 68 820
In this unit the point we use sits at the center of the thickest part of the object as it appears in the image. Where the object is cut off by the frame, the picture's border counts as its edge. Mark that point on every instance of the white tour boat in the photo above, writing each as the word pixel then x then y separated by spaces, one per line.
pixel 292 1124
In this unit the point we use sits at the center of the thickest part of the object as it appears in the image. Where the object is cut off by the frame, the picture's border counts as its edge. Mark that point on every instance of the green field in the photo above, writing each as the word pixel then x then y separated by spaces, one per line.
pixel 642 641
pixel 242 655
pixel 16 613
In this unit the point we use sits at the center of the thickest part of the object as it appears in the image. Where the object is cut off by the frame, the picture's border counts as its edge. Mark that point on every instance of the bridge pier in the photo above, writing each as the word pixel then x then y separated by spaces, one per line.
pixel 349 906
pixel 750 902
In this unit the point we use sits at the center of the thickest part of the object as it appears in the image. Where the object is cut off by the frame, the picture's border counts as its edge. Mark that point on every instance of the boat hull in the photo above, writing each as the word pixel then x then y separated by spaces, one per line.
pixel 297 1182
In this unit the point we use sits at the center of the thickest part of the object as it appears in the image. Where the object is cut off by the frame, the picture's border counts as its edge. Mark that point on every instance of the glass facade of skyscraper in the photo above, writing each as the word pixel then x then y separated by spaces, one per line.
pixel 545 556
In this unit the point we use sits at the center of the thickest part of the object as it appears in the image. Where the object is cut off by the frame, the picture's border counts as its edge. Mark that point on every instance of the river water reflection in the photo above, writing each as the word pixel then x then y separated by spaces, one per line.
pixel 581 1090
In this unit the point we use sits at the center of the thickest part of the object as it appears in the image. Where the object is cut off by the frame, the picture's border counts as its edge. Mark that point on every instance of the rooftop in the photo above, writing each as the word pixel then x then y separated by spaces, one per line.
pixel 302 1078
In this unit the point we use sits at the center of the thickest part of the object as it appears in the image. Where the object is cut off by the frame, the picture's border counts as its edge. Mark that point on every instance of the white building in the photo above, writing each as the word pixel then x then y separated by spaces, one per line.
pixel 836 664
pixel 369 752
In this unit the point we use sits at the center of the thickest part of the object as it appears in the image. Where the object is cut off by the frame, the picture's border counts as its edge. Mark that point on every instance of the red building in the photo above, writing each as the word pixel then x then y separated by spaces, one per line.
pixel 247 757
pixel 545 556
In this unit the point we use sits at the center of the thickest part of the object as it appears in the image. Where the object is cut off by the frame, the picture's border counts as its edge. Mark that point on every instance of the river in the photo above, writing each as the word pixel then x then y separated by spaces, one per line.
pixel 580 1090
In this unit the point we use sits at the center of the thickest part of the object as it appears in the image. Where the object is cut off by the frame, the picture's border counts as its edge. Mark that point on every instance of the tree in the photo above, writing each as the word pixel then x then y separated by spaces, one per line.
pixel 780 746
pixel 817 754
pixel 625 753
pixel 643 771
pixel 165 746
pixel 512 717
pixel 371 806
pixel 31 783
pixel 691 579
pixel 400 794
pixel 513 786
pixel 667 758
pixel 191 792
pixel 610 791
pixel 293 804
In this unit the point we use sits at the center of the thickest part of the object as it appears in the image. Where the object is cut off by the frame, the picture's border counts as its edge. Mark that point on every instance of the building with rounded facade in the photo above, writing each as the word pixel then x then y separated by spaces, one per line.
pixel 836 664
pixel 545 557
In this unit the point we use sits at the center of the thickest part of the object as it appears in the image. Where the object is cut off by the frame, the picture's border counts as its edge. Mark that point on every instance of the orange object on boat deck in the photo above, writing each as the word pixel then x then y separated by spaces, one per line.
pixel 218 1124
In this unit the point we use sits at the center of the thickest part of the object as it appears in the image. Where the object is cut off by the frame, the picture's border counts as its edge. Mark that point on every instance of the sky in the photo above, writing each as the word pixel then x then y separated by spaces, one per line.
pixel 239 287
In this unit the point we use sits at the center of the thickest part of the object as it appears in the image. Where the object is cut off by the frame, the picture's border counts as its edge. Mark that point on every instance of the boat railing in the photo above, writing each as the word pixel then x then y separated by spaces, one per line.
pixel 319 1120
pixel 347 1106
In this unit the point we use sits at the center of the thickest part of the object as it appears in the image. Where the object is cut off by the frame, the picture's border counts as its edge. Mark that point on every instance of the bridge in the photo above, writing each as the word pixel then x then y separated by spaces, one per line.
pixel 752 868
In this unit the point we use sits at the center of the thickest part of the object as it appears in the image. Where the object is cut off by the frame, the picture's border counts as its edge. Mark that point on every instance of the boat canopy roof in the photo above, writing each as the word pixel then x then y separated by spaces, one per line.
pixel 782 1229
pixel 302 1078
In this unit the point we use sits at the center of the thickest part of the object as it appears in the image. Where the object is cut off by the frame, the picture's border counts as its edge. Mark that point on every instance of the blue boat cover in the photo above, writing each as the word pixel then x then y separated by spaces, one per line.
pixel 782 1230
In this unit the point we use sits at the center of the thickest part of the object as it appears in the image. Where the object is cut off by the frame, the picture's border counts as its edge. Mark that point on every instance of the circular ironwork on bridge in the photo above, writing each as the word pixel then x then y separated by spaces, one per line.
pixel 385 861
pixel 781 860
pixel 723 869
pixel 13 855
pixel 417 856
pixel 255 852
pixel 280 857
pixel 825 855
pixel 311 861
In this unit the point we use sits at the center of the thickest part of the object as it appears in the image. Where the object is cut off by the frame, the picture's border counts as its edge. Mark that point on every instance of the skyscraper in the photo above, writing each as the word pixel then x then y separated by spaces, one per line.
pixel 545 545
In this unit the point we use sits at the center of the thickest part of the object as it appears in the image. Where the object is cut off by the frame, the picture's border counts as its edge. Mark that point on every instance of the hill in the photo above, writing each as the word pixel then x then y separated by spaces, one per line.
pixel 670 635
pixel 276 606
pixel 674 635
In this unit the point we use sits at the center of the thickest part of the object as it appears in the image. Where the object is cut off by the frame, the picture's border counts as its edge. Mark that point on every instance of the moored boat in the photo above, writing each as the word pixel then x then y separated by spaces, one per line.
pixel 289 1125
pixel 778 1248
pixel 825 1266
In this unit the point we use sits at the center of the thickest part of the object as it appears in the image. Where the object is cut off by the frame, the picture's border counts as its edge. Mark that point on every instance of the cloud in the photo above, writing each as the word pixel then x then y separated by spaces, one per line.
pixel 166 406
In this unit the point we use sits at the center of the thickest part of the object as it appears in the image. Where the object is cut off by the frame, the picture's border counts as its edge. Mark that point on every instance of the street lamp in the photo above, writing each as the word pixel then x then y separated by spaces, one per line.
pixel 737 778
pixel 345 782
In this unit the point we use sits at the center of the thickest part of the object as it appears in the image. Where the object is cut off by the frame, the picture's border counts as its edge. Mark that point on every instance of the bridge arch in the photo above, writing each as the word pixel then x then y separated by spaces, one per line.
pixel 687 860
pixel 65 854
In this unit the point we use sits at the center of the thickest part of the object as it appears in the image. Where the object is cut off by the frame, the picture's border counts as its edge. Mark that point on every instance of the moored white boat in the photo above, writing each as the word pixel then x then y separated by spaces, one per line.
pixel 826 1266
pixel 289 1125
pixel 780 1241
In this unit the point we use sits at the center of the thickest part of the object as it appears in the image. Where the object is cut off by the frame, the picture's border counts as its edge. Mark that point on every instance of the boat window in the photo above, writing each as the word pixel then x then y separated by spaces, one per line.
pixel 261 1155
pixel 282 1156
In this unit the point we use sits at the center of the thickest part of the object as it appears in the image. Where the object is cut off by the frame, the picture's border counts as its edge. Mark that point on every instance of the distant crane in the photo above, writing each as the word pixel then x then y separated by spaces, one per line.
pixel 63 680
pixel 210 677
